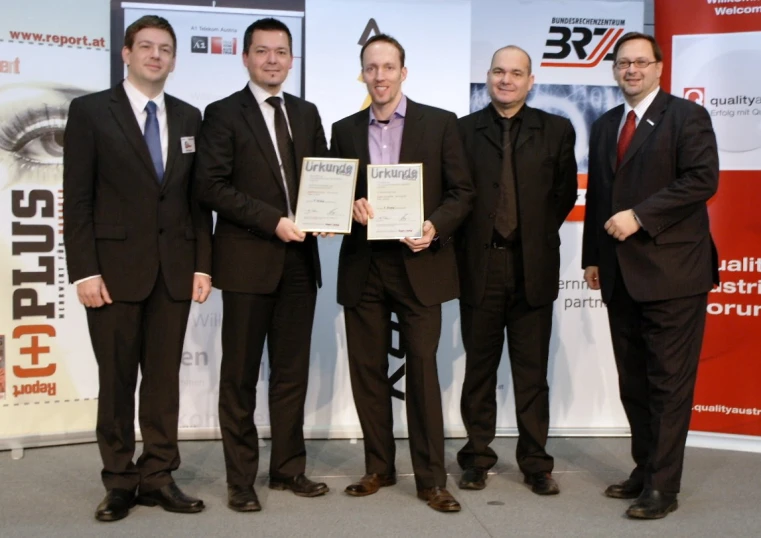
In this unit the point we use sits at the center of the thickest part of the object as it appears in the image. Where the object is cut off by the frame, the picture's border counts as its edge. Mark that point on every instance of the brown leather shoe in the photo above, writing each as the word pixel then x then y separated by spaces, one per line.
pixel 628 489
pixel 370 483
pixel 439 499
pixel 542 483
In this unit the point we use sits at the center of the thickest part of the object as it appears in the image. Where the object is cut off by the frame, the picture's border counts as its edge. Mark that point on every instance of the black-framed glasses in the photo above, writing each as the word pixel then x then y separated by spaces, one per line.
pixel 640 63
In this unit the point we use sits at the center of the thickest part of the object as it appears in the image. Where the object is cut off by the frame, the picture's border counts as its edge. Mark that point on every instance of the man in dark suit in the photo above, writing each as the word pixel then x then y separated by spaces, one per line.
pixel 653 164
pixel 138 248
pixel 411 277
pixel 251 148
pixel 523 165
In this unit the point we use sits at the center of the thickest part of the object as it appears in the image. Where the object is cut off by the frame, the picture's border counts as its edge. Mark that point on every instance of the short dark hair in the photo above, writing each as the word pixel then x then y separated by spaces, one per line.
pixel 266 25
pixel 381 38
pixel 148 21
pixel 638 35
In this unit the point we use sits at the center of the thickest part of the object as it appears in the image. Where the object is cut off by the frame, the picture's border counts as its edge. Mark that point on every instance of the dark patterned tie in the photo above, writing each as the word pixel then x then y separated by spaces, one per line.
pixel 625 138
pixel 506 221
pixel 285 148
pixel 153 139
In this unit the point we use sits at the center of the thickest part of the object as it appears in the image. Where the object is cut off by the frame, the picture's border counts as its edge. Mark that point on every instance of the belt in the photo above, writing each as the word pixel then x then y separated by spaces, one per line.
pixel 500 243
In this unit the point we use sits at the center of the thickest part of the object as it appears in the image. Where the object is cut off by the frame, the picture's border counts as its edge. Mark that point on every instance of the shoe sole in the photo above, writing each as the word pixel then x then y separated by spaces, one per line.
pixel 109 518
pixel 243 509
pixel 283 487
pixel 142 501
pixel 614 495
pixel 471 485
pixel 639 515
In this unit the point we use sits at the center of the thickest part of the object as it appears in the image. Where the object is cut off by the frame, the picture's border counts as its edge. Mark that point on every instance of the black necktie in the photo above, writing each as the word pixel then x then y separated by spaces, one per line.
pixel 506 221
pixel 285 148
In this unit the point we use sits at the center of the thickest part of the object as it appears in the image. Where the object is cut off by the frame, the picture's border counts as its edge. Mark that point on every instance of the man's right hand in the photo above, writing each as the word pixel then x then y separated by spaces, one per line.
pixel 362 211
pixel 592 277
pixel 287 231
pixel 93 293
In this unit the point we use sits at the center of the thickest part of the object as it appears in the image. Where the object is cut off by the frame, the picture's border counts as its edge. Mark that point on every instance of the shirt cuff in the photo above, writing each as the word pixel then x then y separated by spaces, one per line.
pixel 203 274
pixel 77 282
pixel 637 219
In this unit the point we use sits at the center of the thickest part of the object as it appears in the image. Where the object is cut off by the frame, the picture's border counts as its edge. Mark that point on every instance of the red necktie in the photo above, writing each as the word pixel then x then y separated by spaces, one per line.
pixel 627 133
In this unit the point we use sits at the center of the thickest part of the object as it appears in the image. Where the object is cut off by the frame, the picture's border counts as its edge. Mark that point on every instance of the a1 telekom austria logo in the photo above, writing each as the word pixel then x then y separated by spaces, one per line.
pixel 696 95
pixel 581 43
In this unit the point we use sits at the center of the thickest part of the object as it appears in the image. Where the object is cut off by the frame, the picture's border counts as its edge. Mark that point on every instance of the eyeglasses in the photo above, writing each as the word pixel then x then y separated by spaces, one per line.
pixel 639 63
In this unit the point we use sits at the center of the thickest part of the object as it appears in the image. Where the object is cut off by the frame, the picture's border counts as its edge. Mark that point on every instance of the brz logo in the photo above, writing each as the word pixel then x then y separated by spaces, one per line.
pixel 696 95
pixel 571 45
pixel 199 44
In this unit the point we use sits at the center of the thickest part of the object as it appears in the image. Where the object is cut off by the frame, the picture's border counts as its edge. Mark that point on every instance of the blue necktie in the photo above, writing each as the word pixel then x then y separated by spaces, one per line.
pixel 153 139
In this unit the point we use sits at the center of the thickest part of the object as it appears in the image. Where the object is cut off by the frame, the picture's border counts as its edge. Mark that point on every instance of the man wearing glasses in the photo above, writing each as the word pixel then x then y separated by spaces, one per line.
pixel 653 164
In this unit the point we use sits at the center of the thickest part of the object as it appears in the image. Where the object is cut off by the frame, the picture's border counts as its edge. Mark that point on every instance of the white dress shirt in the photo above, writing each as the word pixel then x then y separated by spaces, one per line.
pixel 261 95
pixel 639 110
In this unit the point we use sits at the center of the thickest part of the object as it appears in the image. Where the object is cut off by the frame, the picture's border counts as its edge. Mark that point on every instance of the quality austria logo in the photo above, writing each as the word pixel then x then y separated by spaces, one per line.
pixel 696 95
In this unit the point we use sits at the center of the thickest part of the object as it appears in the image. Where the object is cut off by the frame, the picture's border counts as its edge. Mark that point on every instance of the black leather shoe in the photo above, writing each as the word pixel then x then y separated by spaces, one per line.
pixel 628 489
pixel 439 499
pixel 170 498
pixel 542 483
pixel 115 505
pixel 300 485
pixel 243 499
pixel 473 478
pixel 652 504
pixel 369 484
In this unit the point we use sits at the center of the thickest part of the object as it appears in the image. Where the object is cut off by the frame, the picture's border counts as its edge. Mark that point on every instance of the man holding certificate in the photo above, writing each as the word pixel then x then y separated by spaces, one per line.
pixel 250 150
pixel 421 202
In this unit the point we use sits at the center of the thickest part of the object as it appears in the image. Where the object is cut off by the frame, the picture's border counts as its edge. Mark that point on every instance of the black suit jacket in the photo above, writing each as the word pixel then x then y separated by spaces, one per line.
pixel 119 222
pixel 430 137
pixel 238 176
pixel 669 172
pixel 546 185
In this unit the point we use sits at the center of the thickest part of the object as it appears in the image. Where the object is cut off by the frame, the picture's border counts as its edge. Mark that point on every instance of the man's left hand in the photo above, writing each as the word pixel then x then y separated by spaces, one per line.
pixel 416 245
pixel 201 288
pixel 622 225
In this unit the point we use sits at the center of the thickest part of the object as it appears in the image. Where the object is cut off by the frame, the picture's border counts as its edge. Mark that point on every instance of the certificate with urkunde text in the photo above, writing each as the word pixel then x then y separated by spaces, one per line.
pixel 395 192
pixel 326 195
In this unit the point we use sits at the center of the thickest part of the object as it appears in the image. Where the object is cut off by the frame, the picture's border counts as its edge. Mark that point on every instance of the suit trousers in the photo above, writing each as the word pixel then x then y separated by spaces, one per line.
pixel 657 349
pixel 504 308
pixel 368 335
pixel 284 318
pixel 149 336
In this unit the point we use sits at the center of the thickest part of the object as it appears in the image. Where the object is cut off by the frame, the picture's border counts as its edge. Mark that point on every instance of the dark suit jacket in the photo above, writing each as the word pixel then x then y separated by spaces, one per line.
pixel 669 172
pixel 545 173
pixel 430 137
pixel 238 176
pixel 119 222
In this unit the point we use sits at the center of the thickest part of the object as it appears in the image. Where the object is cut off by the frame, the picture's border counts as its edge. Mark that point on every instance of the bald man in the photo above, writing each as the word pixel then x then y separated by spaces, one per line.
pixel 524 169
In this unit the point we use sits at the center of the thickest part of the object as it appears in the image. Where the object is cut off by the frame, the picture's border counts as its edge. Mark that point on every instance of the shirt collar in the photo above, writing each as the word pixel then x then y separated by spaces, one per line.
pixel 518 116
pixel 261 95
pixel 643 105
pixel 400 112
pixel 139 100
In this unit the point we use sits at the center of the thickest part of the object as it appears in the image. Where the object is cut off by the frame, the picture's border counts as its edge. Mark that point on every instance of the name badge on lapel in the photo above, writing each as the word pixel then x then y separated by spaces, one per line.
pixel 188 144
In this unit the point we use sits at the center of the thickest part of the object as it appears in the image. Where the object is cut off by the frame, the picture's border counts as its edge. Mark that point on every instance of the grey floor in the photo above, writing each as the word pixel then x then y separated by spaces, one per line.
pixel 54 491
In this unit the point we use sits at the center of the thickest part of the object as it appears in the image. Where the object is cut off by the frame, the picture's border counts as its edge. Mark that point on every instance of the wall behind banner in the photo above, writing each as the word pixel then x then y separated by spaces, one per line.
pixel 48 56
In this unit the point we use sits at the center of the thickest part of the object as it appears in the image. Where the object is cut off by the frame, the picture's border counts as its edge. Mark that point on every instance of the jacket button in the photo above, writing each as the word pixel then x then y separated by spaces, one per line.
pixel 161 231
pixel 161 198
pixel 496 185
pixel 486 245
pixel 491 215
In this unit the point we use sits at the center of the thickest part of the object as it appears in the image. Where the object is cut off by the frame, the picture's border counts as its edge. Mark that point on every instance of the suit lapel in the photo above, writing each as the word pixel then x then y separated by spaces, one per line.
pixel 253 116
pixel 125 117
pixel 174 124
pixel 297 132
pixel 646 125
pixel 360 138
pixel 530 125
pixel 610 137
pixel 490 129
pixel 414 130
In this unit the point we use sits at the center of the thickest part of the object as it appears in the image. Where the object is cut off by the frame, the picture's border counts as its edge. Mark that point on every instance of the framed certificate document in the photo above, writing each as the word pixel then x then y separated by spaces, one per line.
pixel 326 195
pixel 395 192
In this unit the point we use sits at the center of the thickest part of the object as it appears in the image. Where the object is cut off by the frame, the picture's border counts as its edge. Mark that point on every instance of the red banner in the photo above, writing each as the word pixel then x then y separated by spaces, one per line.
pixel 712 49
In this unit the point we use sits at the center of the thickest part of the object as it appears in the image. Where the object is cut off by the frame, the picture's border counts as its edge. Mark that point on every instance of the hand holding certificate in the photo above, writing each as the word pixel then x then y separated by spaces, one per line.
pixel 395 193
pixel 326 195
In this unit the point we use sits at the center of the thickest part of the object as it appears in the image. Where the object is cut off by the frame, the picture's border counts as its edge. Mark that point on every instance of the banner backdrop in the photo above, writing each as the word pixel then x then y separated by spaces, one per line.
pixel 712 58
